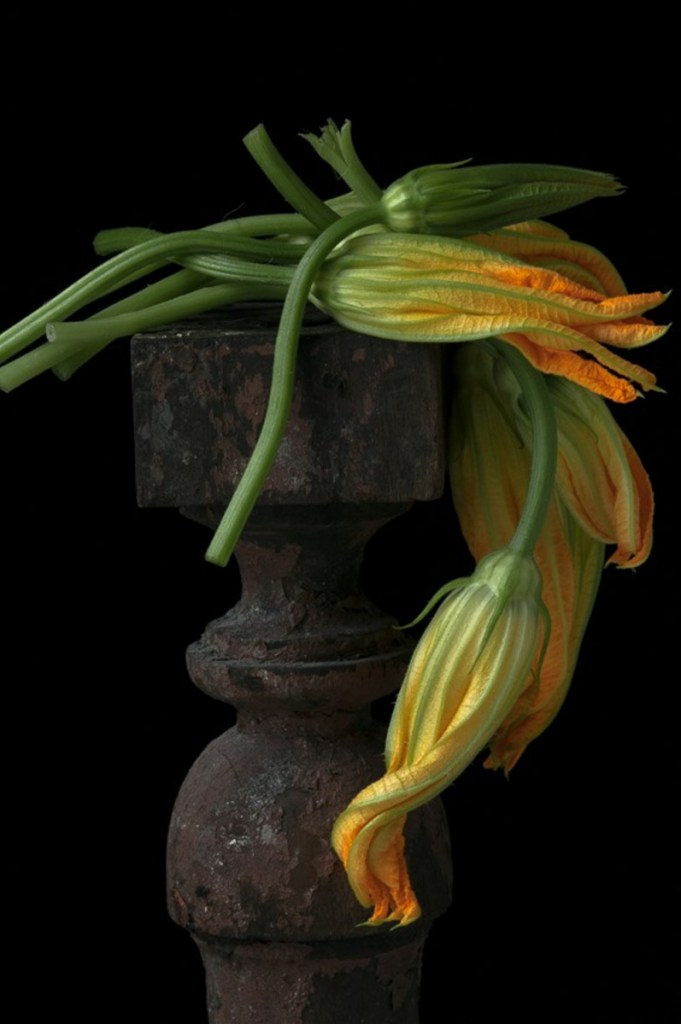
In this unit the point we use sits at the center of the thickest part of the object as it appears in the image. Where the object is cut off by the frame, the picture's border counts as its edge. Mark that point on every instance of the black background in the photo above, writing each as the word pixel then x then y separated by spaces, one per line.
pixel 565 876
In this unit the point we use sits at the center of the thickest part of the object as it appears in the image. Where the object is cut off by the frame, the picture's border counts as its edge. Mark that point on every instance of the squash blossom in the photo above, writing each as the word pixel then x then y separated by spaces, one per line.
pixel 465 675
pixel 426 288
pixel 453 199
pixel 489 469
pixel 542 476
pixel 560 303
pixel 600 477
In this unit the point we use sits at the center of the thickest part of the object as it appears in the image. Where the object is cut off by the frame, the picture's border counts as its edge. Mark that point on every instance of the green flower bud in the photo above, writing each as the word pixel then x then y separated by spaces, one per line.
pixel 468 670
pixel 451 199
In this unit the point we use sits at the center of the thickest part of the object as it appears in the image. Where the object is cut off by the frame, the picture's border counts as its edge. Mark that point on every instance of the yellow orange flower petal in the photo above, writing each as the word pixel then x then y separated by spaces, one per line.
pixel 464 677
pixel 489 470
pixel 573 367
pixel 571 564
pixel 545 245
pixel 422 288
pixel 600 477
pixel 603 496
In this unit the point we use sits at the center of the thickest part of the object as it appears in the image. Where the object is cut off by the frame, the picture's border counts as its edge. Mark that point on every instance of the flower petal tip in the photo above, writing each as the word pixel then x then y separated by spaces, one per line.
pixel 399 917
pixel 504 761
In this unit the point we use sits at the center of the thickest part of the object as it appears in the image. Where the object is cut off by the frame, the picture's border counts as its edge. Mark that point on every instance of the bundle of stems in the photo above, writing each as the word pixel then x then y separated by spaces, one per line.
pixel 269 257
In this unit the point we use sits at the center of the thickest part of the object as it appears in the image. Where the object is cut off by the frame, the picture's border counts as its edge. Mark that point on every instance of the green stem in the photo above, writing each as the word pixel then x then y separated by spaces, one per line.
pixel 285 179
pixel 179 283
pixel 281 390
pixel 102 331
pixel 267 224
pixel 229 268
pixel 130 265
pixel 336 147
pixel 540 488
pixel 218 265
pixel 113 240
pixel 76 338
pixel 356 174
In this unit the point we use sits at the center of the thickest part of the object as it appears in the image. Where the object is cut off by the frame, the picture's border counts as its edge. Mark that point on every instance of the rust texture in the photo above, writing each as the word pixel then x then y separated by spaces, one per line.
pixel 251 873
pixel 365 426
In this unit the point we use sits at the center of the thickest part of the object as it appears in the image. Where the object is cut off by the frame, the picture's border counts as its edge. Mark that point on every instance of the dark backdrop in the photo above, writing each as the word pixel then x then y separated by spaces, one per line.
pixel 565 876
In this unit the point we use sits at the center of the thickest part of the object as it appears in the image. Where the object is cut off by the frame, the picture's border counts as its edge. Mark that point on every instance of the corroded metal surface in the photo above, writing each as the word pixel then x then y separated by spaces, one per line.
pixel 249 855
pixel 303 632
pixel 251 873
pixel 366 421
pixel 364 983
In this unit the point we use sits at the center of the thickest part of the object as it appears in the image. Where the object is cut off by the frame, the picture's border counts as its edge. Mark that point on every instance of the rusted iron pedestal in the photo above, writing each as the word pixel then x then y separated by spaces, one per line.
pixel 251 873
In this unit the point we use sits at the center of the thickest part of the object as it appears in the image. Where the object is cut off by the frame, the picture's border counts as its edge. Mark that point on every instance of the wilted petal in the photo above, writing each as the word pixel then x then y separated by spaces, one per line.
pixel 589 374
pixel 422 288
pixel 489 470
pixel 600 477
pixel 465 676
pixel 545 245
pixel 571 564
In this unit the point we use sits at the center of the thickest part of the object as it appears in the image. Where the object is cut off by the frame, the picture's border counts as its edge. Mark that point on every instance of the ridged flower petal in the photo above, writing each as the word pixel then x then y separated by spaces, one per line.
pixel 423 288
pixel 489 469
pixel 571 564
pixel 453 199
pixel 600 477
pixel 545 245
pixel 591 375
pixel 463 680
pixel 603 496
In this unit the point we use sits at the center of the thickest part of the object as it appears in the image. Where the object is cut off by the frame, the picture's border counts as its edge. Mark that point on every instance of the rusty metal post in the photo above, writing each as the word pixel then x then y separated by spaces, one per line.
pixel 251 873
